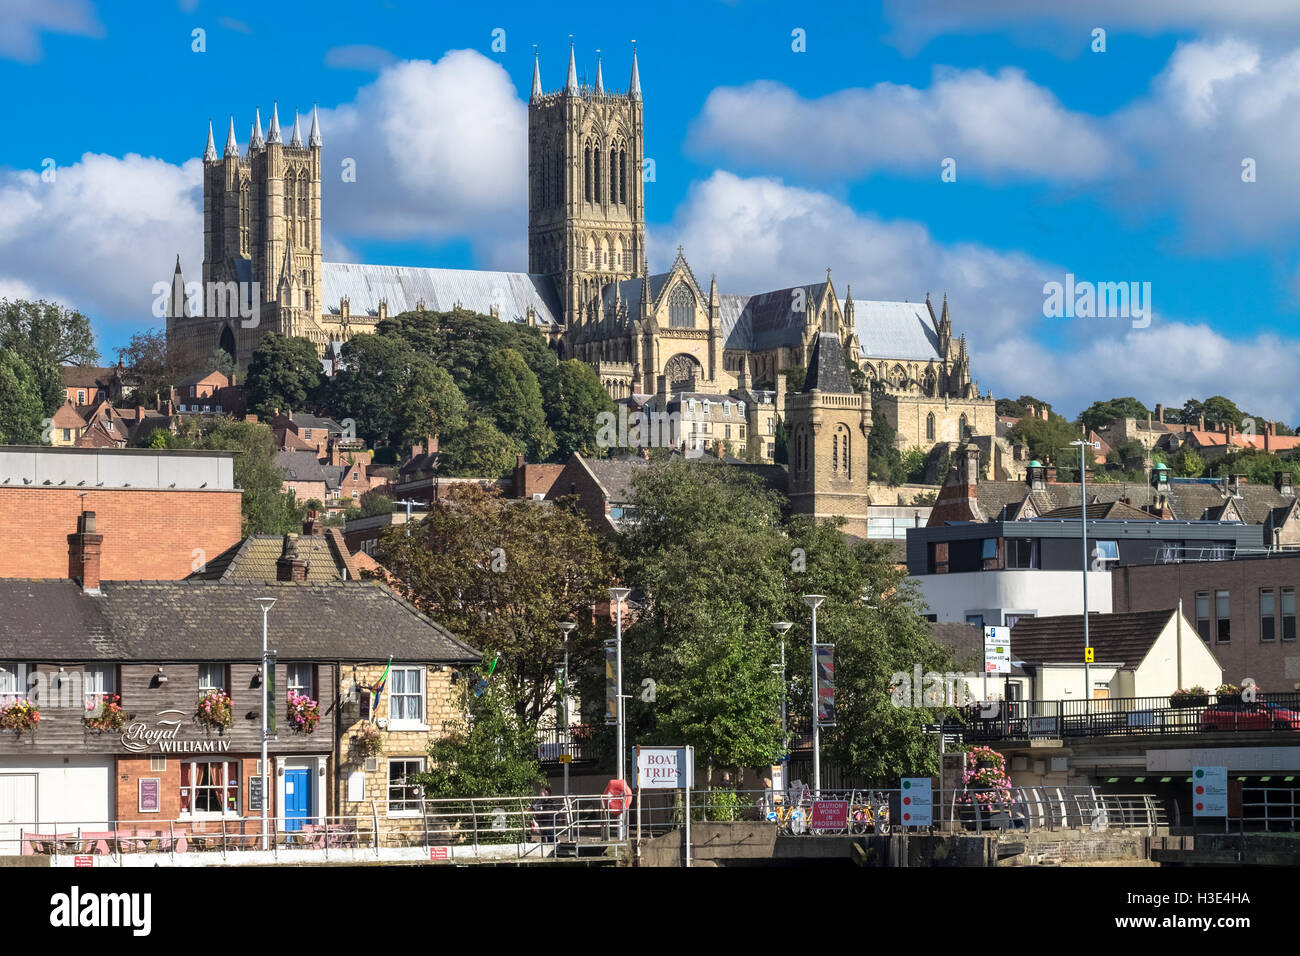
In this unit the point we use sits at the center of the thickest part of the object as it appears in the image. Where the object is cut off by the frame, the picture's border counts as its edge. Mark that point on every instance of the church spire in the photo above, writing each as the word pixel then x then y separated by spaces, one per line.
pixel 600 79
pixel 634 85
pixel 210 151
pixel 255 138
pixel 232 147
pixel 313 139
pixel 295 139
pixel 571 82
pixel 537 75
pixel 273 132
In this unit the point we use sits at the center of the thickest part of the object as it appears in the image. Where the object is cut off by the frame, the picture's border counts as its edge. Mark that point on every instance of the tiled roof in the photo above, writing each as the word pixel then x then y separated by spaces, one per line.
pixel 85 376
pixel 68 417
pixel 1116 638
pixel 204 620
pixel 253 559
pixel 513 293
pixel 1107 511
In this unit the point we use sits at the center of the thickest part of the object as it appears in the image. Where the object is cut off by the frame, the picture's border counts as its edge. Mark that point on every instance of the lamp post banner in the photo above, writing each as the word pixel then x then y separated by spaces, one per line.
pixel 826 685
pixel 611 683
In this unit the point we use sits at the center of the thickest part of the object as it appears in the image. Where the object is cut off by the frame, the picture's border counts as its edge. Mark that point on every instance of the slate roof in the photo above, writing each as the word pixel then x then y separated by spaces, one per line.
pixel 826 368
pixel 203 620
pixel 615 475
pixel 1116 638
pixel 1188 502
pixel 440 289
pixel 1102 511
pixel 300 466
pixel 896 330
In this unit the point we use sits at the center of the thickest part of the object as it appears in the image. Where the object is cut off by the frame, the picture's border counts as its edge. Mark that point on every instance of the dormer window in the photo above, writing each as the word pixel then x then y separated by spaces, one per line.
pixel 706 406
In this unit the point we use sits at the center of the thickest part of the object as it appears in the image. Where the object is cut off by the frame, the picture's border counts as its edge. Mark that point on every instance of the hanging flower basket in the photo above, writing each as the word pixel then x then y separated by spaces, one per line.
pixel 304 713
pixel 214 711
pixel 367 742
pixel 1196 696
pixel 21 717
pixel 104 714
pixel 985 778
pixel 1228 694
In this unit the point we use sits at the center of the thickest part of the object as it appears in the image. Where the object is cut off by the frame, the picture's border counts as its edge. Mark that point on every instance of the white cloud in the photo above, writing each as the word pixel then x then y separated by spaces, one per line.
pixel 440 152
pixel 1000 126
pixel 759 234
pixel 23 21
pixel 101 234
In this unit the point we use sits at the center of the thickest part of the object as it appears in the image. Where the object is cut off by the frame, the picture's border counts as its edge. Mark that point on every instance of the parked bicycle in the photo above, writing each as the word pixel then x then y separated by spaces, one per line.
pixel 868 812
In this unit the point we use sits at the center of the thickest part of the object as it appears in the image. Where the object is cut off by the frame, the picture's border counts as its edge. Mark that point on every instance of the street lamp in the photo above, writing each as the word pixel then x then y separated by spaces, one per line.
pixel 567 627
pixel 617 595
pixel 266 603
pixel 814 601
pixel 782 628
pixel 1083 523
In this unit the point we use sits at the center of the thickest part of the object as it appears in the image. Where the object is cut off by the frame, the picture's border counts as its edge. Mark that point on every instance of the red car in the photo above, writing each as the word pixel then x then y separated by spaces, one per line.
pixel 1259 715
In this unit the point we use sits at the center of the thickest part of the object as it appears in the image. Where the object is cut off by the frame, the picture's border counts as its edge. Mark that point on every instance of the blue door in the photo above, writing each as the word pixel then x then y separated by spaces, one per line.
pixel 297 798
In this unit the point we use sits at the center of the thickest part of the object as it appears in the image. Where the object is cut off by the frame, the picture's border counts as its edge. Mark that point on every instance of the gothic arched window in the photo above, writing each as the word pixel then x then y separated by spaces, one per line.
pixel 622 176
pixel 962 427
pixel 929 427
pixel 681 307
pixel 595 174
pixel 586 173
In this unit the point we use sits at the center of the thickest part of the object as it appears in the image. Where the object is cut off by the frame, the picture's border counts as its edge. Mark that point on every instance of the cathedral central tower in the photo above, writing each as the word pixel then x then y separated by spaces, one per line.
pixel 586 195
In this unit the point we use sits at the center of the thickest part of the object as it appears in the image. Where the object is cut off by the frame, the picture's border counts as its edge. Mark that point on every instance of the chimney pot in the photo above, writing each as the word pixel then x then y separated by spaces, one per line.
pixel 289 566
pixel 86 552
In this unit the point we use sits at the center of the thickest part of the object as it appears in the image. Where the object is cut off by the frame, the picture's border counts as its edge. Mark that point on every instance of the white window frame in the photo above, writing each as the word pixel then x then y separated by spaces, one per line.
pixel 302 667
pixel 17 683
pixel 388 785
pixel 98 680
pixel 406 723
pixel 225 811
pixel 225 678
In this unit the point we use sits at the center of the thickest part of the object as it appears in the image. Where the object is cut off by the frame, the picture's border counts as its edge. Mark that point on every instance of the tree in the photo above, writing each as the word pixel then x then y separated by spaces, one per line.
pixel 493 751
pixel 266 507
pixel 431 404
pixel 21 408
pixel 478 449
pixel 284 374
pixel 371 505
pixel 47 331
pixel 1018 408
pixel 1216 410
pixel 1259 467
pixel 1048 440
pixel 1100 414
pixel 884 461
pixel 502 574
pixel 150 367
pixel 1188 464
pixel 375 373
pixel 794 377
pixel 573 404
pixel 508 390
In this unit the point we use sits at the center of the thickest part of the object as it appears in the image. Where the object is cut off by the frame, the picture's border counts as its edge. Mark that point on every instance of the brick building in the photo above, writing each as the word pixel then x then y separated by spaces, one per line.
pixel 163 513
pixel 1243 609
pixel 160 647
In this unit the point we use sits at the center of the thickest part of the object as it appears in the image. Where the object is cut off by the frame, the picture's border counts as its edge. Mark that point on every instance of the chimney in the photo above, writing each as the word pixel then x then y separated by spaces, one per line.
pixel 521 478
pixel 289 566
pixel 86 545
pixel 312 526
pixel 1282 482
pixel 1036 476
pixel 971 466
pixel 1051 474
pixel 1160 413
pixel 1200 423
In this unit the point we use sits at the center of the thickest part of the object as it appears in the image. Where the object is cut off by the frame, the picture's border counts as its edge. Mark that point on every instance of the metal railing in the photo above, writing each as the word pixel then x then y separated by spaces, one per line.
pixel 1273 809
pixel 472 828
pixel 877 810
pixel 1133 716
pixel 576 741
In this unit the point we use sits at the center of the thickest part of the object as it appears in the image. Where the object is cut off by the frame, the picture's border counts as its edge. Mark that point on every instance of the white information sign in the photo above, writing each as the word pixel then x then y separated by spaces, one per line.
pixel 997 650
pixel 916 802
pixel 1209 791
pixel 663 768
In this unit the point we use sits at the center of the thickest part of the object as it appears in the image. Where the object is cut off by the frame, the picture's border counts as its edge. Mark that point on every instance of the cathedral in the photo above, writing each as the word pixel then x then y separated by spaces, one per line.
pixel 588 287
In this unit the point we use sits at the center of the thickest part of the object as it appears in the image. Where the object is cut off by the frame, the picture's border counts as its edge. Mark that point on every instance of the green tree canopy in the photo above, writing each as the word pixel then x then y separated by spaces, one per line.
pixel 479 449
pixel 508 390
pixel 376 371
pixel 284 374
pixel 266 507
pixel 1100 414
pixel 572 407
pixel 1048 440
pixel 21 408
pixel 431 404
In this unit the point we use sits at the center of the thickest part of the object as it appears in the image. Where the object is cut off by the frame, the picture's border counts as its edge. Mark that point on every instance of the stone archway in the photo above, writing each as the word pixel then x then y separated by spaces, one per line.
pixel 227 343
pixel 679 369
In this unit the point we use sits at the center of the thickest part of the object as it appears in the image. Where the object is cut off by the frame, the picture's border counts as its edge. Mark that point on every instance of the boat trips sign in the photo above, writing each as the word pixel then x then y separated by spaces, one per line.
pixel 664 768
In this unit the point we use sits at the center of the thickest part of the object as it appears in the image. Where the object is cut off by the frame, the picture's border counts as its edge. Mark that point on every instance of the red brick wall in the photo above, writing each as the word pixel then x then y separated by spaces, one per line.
pixel 131 769
pixel 148 534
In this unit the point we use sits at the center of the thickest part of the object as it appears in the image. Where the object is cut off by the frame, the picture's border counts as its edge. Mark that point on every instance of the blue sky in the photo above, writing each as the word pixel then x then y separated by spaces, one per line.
pixel 771 163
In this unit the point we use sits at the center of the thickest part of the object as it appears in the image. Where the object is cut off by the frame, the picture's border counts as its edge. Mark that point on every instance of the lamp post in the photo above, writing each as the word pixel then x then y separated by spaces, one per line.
pixel 567 627
pixel 617 595
pixel 266 603
pixel 781 628
pixel 814 601
pixel 1083 524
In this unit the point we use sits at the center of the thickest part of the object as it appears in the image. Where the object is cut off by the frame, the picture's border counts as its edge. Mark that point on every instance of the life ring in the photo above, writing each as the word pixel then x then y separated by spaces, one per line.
pixel 618 796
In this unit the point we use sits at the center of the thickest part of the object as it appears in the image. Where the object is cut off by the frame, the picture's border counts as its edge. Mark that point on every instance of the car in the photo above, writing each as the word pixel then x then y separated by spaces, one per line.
pixel 1253 715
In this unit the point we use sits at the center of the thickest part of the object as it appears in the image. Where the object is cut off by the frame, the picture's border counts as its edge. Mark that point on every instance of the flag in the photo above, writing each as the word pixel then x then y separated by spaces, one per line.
pixel 377 690
pixel 826 685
